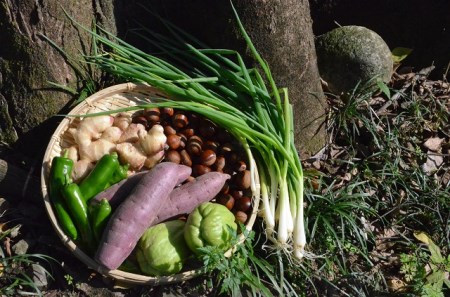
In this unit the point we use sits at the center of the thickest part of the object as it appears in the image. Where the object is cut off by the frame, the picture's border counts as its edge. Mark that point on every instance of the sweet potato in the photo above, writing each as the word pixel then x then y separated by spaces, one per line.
pixel 117 193
pixel 182 199
pixel 137 213
pixel 185 198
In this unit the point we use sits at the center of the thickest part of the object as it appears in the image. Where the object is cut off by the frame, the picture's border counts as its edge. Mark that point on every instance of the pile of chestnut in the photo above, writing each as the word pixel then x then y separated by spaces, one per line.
pixel 195 141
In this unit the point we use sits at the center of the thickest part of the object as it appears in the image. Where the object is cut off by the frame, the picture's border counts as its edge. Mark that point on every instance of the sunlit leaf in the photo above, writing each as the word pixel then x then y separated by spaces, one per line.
pixel 421 236
pixel 400 53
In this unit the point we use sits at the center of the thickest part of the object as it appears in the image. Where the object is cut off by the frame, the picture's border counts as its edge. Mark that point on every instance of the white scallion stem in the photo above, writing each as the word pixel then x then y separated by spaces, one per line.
pixel 284 214
pixel 273 191
pixel 299 232
pixel 267 213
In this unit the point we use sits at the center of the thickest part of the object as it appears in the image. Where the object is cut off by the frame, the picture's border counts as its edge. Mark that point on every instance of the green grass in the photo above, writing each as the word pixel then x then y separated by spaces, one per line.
pixel 378 177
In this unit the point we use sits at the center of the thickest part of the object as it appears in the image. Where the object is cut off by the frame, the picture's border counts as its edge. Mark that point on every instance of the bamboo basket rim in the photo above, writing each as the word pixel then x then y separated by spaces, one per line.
pixel 108 99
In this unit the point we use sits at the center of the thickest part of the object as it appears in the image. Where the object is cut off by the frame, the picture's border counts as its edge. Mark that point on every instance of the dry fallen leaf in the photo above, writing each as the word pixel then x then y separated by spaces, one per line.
pixel 434 144
pixel 434 161
pixel 396 285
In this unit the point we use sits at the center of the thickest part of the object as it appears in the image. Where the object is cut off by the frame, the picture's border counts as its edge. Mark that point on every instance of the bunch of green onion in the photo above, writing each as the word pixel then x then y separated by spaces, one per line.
pixel 216 84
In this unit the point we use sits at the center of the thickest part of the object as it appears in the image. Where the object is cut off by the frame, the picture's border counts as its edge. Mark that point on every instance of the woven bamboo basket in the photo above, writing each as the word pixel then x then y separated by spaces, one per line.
pixel 110 99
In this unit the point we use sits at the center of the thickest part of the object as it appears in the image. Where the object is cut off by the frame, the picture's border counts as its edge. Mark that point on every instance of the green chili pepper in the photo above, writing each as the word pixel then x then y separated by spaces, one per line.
pixel 99 213
pixel 120 174
pixel 60 172
pixel 100 176
pixel 77 208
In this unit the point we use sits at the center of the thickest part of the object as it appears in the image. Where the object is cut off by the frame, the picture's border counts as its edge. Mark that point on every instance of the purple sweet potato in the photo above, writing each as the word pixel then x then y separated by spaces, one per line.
pixel 185 198
pixel 119 191
pixel 138 212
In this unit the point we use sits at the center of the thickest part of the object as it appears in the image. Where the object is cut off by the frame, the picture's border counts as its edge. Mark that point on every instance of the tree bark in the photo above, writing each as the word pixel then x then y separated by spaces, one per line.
pixel 28 63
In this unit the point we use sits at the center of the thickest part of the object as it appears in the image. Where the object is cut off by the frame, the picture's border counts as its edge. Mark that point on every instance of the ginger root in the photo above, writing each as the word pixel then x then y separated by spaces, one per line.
pixel 122 121
pixel 112 134
pixel 152 160
pixel 72 153
pixel 131 133
pixel 91 128
pixel 132 154
pixel 81 169
pixel 96 149
pixel 152 141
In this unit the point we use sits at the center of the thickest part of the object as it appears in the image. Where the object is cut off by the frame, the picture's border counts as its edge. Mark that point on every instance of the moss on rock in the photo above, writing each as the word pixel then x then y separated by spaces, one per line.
pixel 352 55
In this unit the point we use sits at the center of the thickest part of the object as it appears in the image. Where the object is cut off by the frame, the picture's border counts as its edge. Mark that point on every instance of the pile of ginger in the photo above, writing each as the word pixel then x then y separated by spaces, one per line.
pixel 99 135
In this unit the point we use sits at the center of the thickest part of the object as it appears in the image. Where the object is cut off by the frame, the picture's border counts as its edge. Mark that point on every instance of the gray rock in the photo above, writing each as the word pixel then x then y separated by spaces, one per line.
pixel 350 55
pixel 21 247
pixel 39 275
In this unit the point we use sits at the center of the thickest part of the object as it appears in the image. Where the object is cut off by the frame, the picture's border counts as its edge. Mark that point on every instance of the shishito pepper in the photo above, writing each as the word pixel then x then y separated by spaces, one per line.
pixel 77 208
pixel 121 173
pixel 100 176
pixel 60 172
pixel 99 214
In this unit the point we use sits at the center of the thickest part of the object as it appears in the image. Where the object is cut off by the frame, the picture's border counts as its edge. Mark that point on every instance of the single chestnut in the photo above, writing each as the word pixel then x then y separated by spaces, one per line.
pixel 152 114
pixel 226 199
pixel 173 156
pixel 180 121
pixel 173 141
pixel 220 163
pixel 199 169
pixel 241 217
pixel 240 166
pixel 243 179
pixel 226 148
pixel 243 204
pixel 185 159
pixel 208 157
pixel 188 132
pixel 237 194
pixel 183 140
pixel 211 145
pixel 166 112
pixel 169 130
pixel 194 145
pixel 225 189
pixel 140 119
